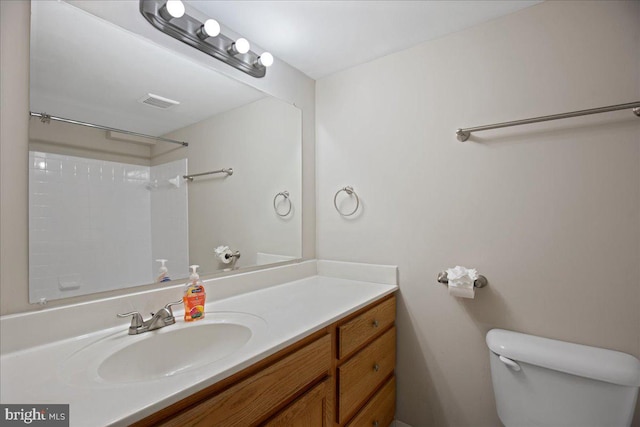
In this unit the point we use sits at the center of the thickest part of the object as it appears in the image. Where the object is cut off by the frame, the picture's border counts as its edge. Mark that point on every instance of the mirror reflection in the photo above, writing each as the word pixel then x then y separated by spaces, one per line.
pixel 104 206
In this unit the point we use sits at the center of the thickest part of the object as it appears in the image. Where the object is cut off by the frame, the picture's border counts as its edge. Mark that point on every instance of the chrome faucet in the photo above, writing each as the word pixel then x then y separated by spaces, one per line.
pixel 160 319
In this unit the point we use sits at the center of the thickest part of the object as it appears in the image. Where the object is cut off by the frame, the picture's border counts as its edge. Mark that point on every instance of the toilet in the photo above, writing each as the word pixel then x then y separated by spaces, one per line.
pixel 544 382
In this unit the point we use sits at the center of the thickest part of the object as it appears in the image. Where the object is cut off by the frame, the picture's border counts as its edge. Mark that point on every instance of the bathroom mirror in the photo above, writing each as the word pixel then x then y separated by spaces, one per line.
pixel 105 205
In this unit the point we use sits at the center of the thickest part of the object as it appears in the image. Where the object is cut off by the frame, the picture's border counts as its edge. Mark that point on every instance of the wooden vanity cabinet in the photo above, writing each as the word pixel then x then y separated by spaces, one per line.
pixel 380 409
pixel 360 328
pixel 309 410
pixel 260 392
pixel 364 366
pixel 339 376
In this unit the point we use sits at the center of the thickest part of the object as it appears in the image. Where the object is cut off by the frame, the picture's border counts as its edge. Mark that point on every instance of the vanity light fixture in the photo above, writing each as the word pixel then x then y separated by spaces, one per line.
pixel 171 18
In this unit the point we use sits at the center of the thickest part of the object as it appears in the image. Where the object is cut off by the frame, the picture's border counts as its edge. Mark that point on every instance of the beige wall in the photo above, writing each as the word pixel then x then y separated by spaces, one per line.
pixel 550 213
pixel 282 81
pixel 261 142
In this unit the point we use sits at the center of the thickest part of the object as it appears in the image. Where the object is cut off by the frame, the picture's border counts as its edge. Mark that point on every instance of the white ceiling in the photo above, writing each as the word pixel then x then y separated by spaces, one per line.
pixel 323 37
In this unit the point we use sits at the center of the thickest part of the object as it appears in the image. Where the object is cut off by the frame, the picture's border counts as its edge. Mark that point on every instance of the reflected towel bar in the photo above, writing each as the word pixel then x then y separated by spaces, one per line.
pixel 46 118
pixel 228 171
pixel 463 134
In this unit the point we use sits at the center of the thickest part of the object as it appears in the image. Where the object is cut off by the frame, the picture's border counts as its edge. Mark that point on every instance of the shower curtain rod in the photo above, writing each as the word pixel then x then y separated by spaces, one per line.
pixel 463 134
pixel 45 118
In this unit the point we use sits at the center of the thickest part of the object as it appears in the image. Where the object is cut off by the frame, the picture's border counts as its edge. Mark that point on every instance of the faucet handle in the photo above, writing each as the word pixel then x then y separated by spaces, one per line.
pixel 170 304
pixel 136 320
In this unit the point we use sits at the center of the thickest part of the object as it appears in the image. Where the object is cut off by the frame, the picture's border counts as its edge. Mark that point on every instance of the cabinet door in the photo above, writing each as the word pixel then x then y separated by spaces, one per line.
pixel 250 401
pixel 309 410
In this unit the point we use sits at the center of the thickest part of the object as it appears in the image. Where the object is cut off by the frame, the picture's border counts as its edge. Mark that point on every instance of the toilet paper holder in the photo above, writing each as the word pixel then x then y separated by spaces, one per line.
pixel 480 282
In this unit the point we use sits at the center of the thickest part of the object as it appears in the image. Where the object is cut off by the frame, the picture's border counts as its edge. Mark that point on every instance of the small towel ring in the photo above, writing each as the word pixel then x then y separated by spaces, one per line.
pixel 284 194
pixel 349 190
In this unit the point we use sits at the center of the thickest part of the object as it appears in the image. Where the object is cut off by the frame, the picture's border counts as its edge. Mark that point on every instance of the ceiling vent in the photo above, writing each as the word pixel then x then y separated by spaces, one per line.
pixel 158 101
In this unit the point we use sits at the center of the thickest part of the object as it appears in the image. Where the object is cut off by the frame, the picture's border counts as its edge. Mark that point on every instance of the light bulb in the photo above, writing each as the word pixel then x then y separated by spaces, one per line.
pixel 210 28
pixel 242 45
pixel 266 59
pixel 175 8
pixel 172 9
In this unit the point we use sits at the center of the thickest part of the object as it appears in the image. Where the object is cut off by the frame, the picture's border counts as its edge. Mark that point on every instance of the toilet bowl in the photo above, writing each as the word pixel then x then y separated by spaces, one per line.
pixel 544 382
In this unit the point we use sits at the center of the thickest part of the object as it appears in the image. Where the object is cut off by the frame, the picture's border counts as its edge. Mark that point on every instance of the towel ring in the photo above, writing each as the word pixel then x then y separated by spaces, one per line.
pixel 349 190
pixel 285 195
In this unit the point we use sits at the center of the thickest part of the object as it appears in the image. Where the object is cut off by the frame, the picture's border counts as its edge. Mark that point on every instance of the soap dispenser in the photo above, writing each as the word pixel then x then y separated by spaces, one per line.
pixel 194 297
pixel 163 272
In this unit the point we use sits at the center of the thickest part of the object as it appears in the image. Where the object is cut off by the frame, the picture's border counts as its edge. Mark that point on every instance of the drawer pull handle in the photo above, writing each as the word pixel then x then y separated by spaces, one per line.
pixel 375 423
pixel 375 324
pixel 376 367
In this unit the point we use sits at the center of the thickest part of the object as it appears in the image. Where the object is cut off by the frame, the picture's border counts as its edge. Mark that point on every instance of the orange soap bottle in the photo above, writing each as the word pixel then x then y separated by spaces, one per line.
pixel 194 297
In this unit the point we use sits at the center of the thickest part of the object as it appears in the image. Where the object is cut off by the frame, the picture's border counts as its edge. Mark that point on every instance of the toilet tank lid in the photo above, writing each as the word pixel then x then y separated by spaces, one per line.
pixel 576 359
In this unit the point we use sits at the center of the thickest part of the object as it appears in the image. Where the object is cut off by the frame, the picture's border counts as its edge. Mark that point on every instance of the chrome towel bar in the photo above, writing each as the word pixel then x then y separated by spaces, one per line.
pixel 463 134
pixel 228 171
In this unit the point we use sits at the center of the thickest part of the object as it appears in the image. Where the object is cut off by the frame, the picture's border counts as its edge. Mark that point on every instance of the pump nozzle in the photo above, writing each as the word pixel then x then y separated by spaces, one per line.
pixel 163 271
pixel 194 273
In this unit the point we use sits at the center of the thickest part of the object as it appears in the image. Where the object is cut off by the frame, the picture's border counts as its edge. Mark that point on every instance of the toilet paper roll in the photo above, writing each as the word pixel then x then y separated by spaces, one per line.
pixel 224 254
pixel 461 292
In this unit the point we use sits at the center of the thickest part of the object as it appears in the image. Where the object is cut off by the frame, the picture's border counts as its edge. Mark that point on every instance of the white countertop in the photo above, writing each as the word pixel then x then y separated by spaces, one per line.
pixel 291 311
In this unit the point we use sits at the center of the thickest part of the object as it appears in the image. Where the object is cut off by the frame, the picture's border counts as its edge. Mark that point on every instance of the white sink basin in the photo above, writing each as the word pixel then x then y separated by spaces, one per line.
pixel 173 351
pixel 122 358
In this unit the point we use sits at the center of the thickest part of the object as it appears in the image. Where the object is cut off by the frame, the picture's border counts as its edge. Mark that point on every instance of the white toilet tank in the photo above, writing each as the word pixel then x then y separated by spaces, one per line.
pixel 544 382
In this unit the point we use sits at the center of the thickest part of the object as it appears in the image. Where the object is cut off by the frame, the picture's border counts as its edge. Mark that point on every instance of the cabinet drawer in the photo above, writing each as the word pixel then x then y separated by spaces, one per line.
pixel 380 410
pixel 359 330
pixel 254 398
pixel 309 410
pixel 359 377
